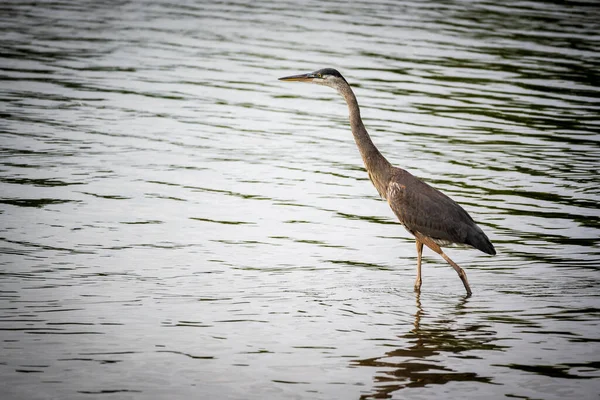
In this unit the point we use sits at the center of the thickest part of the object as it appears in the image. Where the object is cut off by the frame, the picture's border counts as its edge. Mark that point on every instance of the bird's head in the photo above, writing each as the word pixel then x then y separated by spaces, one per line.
pixel 326 77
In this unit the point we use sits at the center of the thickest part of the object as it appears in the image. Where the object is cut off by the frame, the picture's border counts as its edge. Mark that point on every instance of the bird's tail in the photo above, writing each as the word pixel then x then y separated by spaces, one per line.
pixel 481 242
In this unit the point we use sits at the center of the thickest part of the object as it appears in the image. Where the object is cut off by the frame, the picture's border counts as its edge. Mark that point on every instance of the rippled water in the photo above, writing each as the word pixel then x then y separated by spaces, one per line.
pixel 176 223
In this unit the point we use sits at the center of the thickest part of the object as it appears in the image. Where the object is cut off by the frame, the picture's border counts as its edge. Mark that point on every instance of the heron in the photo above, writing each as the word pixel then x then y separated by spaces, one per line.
pixel 434 219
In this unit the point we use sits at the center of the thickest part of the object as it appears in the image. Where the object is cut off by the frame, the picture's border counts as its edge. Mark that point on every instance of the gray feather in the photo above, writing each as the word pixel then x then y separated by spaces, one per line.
pixel 423 209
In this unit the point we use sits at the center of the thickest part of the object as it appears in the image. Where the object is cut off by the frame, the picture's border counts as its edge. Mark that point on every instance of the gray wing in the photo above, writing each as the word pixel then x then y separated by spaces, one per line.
pixel 421 208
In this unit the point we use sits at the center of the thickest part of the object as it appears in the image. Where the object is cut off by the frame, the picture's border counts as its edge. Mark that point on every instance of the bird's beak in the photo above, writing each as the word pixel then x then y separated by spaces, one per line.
pixel 299 78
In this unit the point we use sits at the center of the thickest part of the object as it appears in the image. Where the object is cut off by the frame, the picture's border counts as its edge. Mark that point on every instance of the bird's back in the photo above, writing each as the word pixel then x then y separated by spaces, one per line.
pixel 424 209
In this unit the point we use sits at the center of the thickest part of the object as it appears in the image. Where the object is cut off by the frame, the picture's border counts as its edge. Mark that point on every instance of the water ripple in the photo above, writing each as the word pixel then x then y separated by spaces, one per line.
pixel 173 213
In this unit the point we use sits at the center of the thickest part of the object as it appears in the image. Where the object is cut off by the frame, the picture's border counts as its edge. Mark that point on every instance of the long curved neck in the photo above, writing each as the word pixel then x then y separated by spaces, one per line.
pixel 378 167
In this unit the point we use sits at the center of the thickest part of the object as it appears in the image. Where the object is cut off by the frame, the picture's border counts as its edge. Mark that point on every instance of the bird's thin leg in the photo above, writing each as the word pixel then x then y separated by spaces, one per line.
pixel 419 253
pixel 461 272
pixel 435 247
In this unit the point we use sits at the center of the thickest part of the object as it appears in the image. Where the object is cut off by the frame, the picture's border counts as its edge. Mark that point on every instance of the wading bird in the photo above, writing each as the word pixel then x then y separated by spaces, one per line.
pixel 433 218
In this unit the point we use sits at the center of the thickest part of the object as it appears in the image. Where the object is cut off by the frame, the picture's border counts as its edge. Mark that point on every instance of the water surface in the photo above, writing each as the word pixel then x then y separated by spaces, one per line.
pixel 176 223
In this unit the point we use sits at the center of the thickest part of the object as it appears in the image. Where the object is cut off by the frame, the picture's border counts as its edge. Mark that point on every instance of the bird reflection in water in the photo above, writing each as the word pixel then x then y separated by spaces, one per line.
pixel 419 363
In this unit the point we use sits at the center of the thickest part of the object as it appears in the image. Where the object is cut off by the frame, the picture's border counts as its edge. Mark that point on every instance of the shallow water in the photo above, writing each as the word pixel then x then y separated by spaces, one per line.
pixel 176 223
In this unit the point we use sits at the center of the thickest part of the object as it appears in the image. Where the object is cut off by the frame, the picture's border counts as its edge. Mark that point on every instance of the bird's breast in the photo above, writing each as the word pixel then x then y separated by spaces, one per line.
pixel 379 185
